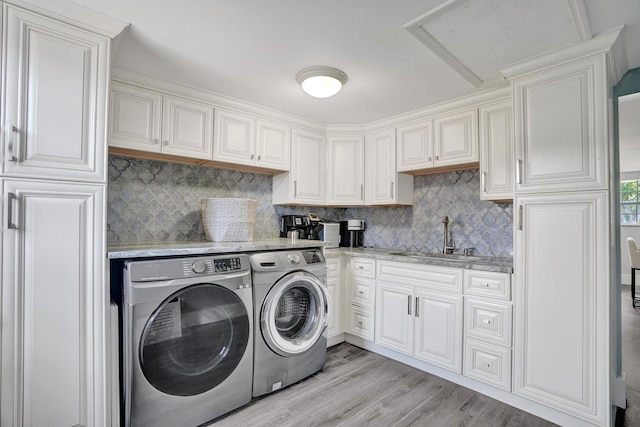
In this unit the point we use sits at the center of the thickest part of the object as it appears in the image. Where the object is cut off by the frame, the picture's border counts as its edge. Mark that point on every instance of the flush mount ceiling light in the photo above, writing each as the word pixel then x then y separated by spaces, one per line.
pixel 321 82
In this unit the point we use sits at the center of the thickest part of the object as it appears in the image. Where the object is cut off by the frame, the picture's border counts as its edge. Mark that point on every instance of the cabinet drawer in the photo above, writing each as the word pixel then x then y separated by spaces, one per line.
pixel 360 322
pixel 487 363
pixel 333 267
pixel 363 292
pixel 487 284
pixel 363 267
pixel 431 276
pixel 488 321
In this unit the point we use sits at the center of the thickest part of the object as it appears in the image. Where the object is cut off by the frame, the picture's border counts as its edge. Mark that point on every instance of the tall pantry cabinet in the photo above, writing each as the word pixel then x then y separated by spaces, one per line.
pixel 54 330
pixel 562 238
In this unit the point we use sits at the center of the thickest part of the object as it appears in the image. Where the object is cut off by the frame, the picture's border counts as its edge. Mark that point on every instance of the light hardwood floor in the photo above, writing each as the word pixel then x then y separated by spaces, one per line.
pixel 361 388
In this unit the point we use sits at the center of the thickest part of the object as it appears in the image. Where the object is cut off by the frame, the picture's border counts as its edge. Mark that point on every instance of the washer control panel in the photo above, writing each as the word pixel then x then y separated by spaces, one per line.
pixel 224 265
pixel 293 258
pixel 311 257
pixel 183 267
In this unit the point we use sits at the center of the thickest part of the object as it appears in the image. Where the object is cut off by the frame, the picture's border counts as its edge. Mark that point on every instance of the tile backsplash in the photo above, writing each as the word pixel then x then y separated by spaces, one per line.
pixel 158 201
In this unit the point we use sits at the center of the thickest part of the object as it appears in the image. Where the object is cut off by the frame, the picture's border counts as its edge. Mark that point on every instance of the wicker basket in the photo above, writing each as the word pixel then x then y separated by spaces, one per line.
pixel 229 220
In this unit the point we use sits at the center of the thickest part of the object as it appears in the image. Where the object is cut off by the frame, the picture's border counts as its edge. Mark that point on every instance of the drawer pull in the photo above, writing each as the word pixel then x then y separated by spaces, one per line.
pixel 486 321
pixel 360 323
pixel 486 365
pixel 360 293
pixel 409 298
pixel 486 285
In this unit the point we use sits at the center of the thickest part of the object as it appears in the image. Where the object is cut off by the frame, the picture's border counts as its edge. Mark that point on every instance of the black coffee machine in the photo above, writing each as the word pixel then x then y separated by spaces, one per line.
pixel 352 233
pixel 300 223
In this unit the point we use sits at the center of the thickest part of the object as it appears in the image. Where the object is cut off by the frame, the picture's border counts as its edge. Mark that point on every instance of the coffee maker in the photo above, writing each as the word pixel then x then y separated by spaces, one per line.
pixel 299 223
pixel 352 233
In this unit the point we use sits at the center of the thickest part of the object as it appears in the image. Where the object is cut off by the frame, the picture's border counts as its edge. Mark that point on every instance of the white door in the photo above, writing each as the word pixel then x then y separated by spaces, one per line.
pixel 273 145
pixel 456 138
pixel 562 302
pixel 187 128
pixel 381 168
pixel 308 159
pixel 561 132
pixel 346 171
pixel 235 138
pixel 54 109
pixel 394 317
pixel 54 305
pixel 415 147
pixel 135 117
pixel 438 332
pixel 496 151
pixel 334 316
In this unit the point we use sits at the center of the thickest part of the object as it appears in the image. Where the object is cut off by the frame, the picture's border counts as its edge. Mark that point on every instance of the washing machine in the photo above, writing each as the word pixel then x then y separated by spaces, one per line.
pixel 187 339
pixel 290 314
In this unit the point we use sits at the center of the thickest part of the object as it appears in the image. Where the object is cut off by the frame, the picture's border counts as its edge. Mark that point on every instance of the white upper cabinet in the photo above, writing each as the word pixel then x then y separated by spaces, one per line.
pixel 305 183
pixel 345 180
pixel 561 128
pixel 415 146
pixel 146 120
pixel 54 109
pixel 241 139
pixel 455 138
pixel 496 151
pixel 384 185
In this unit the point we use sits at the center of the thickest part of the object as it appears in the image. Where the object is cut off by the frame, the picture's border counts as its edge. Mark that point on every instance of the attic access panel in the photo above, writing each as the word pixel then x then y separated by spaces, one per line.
pixel 479 37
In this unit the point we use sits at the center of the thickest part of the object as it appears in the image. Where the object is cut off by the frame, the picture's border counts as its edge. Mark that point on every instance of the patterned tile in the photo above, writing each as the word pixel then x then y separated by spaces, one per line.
pixel 158 201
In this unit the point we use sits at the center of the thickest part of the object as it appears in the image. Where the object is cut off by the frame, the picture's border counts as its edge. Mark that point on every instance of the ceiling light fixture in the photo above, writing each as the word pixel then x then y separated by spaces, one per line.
pixel 320 81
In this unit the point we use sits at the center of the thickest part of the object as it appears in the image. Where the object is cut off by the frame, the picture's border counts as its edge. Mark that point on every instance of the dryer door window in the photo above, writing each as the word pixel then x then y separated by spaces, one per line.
pixel 294 313
pixel 194 340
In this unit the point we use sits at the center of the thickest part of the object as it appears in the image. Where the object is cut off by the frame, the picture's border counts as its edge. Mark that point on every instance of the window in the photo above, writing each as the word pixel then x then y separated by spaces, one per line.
pixel 629 202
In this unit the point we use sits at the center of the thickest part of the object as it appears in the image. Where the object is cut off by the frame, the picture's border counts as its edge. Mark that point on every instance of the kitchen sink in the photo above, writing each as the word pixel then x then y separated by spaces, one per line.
pixel 436 255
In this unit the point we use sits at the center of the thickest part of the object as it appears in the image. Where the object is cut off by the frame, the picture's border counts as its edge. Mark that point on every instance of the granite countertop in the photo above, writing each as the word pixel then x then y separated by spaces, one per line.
pixel 163 249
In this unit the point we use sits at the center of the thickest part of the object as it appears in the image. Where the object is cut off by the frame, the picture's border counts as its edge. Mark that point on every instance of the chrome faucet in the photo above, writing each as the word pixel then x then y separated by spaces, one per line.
pixel 448 245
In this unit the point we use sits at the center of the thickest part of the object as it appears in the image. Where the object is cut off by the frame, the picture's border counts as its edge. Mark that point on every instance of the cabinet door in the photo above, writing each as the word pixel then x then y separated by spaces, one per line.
pixel 562 302
pixel 438 332
pixel 394 317
pixel 235 138
pixel 456 138
pixel 381 165
pixel 334 326
pixel 308 167
pixel 496 151
pixel 187 128
pixel 54 303
pixel 346 171
pixel 415 147
pixel 55 98
pixel 273 145
pixel 135 117
pixel 562 141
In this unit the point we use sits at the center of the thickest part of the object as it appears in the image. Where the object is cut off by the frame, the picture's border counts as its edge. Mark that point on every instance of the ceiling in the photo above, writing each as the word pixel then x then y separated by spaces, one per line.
pixel 400 56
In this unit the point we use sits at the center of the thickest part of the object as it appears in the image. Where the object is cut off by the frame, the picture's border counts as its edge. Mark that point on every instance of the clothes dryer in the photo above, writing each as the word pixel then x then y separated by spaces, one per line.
pixel 187 339
pixel 290 313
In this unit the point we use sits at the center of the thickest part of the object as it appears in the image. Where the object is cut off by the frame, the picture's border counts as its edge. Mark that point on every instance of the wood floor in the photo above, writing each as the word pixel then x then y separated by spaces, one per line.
pixel 360 388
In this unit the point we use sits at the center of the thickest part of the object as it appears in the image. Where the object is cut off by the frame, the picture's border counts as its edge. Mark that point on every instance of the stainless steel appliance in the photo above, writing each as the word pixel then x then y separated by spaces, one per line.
pixel 352 233
pixel 328 232
pixel 187 339
pixel 296 223
pixel 291 307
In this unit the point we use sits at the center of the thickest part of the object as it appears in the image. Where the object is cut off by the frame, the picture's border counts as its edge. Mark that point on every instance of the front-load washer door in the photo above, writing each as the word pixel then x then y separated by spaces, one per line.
pixel 294 313
pixel 194 340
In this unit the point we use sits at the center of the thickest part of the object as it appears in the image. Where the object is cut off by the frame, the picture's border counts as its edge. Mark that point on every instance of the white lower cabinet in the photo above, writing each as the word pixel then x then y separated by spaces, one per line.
pixel 415 316
pixel 54 305
pixel 360 295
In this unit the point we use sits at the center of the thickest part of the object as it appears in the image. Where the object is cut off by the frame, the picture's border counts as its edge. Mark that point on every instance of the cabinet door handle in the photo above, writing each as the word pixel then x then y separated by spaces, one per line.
pixel 361 191
pixel 520 217
pixel 253 156
pixel 156 142
pixel 166 143
pixel 13 144
pixel 483 178
pixel 392 189
pixel 519 171
pixel 295 188
pixel 360 293
pixel 429 159
pixel 10 223
pixel 417 307
pixel 437 157
pixel 259 157
pixel 409 298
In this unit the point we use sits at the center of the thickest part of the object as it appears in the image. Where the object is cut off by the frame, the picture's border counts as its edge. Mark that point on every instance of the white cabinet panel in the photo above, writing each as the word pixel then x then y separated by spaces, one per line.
pixel 487 363
pixel 456 138
pixel 384 186
pixel 394 318
pixel 488 321
pixel 235 138
pixel 360 322
pixel 496 151
pixel 334 324
pixel 415 146
pixel 345 181
pixel 135 117
pixel 562 302
pixel 54 305
pixel 487 284
pixel 54 109
pixel 438 334
pixel 561 133
pixel 273 145
pixel 187 127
